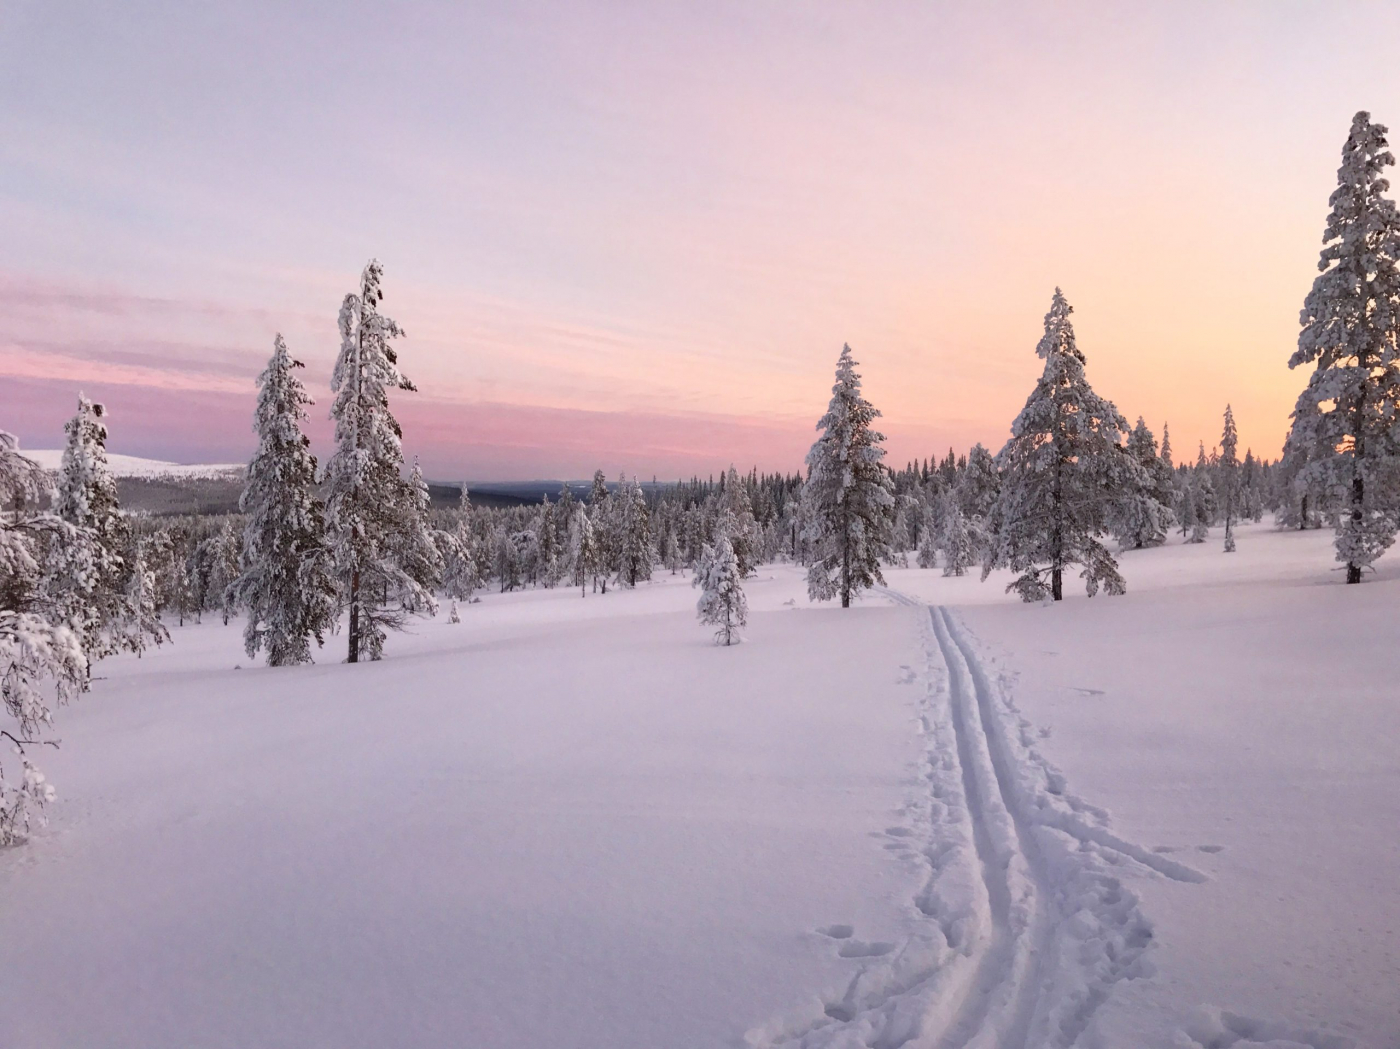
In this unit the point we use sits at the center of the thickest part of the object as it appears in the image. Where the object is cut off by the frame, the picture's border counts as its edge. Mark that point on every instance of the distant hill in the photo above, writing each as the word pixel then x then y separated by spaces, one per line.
pixel 161 488
pixel 134 466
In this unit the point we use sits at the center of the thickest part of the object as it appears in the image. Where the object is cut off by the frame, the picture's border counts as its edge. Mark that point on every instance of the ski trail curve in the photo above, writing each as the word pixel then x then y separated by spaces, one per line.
pixel 1024 925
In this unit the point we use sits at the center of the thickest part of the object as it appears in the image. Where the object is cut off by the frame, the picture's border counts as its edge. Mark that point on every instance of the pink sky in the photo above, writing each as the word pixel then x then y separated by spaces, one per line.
pixel 635 236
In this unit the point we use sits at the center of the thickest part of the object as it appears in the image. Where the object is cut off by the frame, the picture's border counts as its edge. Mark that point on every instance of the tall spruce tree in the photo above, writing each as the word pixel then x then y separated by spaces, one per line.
pixel 95 591
pixel 635 556
pixel 1063 474
pixel 848 493
pixel 367 494
pixel 285 581
pixel 1229 477
pixel 1345 417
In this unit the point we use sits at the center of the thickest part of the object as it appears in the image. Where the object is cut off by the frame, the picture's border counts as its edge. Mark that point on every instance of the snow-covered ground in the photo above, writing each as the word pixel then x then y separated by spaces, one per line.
pixel 576 823
pixel 135 466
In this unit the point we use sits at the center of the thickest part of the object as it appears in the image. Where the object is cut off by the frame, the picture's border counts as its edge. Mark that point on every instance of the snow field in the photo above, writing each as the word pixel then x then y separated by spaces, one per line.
pixel 939 819
pixel 563 822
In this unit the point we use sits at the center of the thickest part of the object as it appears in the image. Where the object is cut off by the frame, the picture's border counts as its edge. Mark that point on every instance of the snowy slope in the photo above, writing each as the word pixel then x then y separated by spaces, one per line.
pixel 576 823
pixel 133 466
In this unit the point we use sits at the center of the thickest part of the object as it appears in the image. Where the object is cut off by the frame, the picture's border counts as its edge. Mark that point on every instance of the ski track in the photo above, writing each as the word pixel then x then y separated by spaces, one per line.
pixel 1023 926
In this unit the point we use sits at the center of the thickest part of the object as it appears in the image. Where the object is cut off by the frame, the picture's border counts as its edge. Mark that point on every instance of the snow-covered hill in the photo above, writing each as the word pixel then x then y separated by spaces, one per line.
pixel 134 466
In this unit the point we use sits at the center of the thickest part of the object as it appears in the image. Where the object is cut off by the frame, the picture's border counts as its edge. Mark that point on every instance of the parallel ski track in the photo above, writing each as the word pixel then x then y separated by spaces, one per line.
pixel 1050 897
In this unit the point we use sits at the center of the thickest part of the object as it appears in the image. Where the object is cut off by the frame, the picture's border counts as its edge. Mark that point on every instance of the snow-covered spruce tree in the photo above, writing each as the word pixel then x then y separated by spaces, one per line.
pixel 1346 415
pixel 603 518
pixel 848 493
pixel 734 504
pixel 91 591
pixel 671 552
pixel 461 573
pixel 1063 472
pixel 928 541
pixel 219 557
pixel 584 555
pixel 41 657
pixel 1207 502
pixel 1143 517
pixel 957 541
pixel 978 484
pixel 1191 529
pixel 1166 453
pixel 549 545
pixel 722 602
pixel 1229 476
pixel 634 552
pixel 366 492
pixel 418 554
pixel 285 582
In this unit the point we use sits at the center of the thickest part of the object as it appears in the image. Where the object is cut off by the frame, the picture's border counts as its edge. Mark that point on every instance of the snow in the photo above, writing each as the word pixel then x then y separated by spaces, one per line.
pixel 578 823
pixel 134 466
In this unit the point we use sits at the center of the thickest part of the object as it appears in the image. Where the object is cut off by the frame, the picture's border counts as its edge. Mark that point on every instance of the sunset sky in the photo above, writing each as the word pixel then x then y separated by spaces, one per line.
pixel 634 236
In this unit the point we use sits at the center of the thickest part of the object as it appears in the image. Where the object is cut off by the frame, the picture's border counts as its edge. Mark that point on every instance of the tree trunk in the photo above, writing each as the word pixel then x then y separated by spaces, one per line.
pixel 1358 501
pixel 845 566
pixel 354 631
pixel 1057 540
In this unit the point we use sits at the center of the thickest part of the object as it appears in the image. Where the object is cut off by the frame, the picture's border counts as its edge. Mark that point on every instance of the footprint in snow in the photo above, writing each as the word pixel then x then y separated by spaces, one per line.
pixel 1210 848
pixel 837 932
pixel 861 949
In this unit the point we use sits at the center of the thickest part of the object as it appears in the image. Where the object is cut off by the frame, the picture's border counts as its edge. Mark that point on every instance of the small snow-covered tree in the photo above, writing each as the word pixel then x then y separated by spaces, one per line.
pixel 848 493
pixel 1345 418
pixel 368 502
pixel 1229 479
pixel 1063 472
pixel 284 577
pixel 722 602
